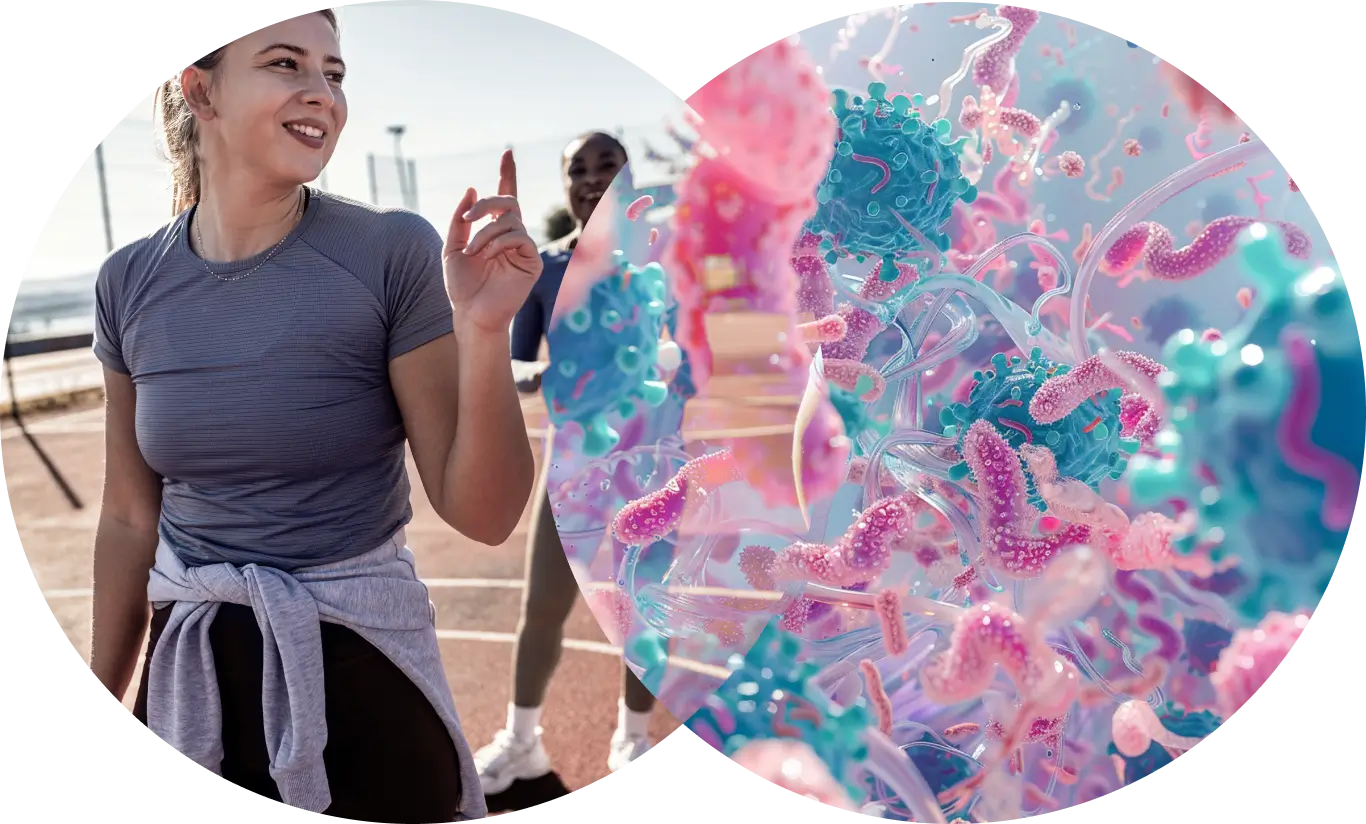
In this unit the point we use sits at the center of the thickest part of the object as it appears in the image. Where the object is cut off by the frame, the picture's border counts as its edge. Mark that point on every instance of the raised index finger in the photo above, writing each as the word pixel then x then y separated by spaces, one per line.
pixel 458 236
pixel 507 175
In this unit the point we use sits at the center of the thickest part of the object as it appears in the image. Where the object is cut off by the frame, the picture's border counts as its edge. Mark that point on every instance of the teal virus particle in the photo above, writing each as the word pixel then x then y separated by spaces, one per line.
pixel 605 353
pixel 855 414
pixel 1266 425
pixel 1086 443
pixel 890 170
pixel 769 695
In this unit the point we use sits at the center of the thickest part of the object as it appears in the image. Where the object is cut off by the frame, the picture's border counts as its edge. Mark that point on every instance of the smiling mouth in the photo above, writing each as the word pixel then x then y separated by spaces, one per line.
pixel 306 130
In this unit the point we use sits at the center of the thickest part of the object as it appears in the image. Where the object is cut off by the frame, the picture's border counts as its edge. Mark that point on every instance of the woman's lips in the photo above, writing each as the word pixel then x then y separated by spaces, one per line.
pixel 308 140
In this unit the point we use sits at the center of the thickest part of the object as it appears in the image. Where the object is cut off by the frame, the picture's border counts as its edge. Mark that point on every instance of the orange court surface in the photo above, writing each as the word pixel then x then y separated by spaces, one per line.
pixel 477 589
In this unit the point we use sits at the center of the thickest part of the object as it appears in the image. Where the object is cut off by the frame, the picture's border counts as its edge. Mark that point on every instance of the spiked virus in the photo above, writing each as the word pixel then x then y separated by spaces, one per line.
pixel 891 170
pixel 1086 442
pixel 605 355
pixel 770 695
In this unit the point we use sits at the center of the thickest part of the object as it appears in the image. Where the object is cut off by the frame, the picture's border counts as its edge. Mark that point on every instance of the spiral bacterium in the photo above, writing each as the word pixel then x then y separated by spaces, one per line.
pixel 1152 243
pixel 1032 564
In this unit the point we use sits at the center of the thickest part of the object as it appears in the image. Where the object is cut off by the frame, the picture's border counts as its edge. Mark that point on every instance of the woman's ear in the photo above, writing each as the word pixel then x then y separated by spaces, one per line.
pixel 194 85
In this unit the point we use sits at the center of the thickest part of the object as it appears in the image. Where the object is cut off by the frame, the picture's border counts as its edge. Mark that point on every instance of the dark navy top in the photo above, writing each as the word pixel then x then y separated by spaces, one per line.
pixel 265 403
pixel 532 323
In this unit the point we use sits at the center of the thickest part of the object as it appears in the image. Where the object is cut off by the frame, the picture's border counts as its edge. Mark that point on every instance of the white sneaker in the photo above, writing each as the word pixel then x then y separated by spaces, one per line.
pixel 626 749
pixel 509 758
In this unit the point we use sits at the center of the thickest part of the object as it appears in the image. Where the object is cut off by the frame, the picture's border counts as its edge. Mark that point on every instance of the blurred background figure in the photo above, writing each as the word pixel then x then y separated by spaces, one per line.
pixel 589 164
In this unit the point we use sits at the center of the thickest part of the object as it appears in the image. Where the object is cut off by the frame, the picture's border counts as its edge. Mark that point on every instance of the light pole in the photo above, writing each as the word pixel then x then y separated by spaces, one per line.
pixel 398 131
pixel 104 198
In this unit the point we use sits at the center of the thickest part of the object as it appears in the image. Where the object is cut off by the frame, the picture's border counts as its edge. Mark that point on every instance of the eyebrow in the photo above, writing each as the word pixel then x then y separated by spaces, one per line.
pixel 581 157
pixel 302 52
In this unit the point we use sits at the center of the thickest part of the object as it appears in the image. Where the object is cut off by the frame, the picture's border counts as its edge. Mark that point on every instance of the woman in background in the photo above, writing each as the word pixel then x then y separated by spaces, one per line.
pixel 267 354
pixel 589 165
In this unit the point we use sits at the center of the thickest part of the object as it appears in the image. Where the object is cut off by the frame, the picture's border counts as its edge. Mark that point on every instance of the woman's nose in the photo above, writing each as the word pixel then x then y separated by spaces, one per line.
pixel 318 91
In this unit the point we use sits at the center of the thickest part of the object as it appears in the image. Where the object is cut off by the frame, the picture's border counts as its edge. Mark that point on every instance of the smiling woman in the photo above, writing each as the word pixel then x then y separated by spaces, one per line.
pixel 268 354
pixel 269 82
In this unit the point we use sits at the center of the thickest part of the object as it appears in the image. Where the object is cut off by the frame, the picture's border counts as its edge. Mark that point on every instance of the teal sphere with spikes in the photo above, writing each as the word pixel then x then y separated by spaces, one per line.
pixel 1087 443
pixel 771 694
pixel 891 170
pixel 605 354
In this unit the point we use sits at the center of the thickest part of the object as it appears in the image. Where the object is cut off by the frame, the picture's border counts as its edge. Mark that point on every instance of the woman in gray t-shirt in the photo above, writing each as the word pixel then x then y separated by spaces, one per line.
pixel 268 354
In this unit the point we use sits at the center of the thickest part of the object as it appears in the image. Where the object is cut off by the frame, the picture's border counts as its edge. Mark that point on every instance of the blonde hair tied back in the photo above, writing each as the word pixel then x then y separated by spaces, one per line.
pixel 179 129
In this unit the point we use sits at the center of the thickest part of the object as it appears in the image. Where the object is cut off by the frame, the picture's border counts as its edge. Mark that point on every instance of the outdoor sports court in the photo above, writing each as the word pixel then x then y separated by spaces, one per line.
pixel 477 591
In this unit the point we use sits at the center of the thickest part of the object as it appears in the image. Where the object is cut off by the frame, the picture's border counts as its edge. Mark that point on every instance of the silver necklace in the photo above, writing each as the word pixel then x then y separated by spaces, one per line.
pixel 199 235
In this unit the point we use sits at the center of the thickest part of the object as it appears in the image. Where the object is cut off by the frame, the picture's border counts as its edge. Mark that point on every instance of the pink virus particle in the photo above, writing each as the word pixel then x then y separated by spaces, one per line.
pixel 653 516
pixel 877 695
pixel 1294 187
pixel 1250 658
pixel 996 66
pixel 1071 164
pixel 1153 244
pixel 1061 394
pixel 1133 148
pixel 1004 503
pixel 828 329
pixel 888 606
pixel 860 555
pixel 1245 296
pixel 638 207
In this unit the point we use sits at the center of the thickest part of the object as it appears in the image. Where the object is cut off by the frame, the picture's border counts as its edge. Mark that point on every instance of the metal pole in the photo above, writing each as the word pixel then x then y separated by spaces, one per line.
pixel 412 182
pixel 397 131
pixel 104 198
pixel 374 184
pixel 322 179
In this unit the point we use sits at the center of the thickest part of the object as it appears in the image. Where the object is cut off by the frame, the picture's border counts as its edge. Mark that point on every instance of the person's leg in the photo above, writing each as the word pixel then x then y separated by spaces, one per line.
pixel 516 752
pixel 636 696
pixel 546 604
pixel 235 640
pixel 634 708
pixel 389 756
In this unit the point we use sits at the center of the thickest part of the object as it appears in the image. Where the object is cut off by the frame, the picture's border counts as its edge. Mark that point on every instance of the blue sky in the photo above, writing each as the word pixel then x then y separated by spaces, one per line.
pixel 465 80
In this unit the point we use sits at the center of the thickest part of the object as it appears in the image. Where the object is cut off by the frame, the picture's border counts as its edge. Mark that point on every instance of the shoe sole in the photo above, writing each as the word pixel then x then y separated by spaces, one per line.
pixel 504 781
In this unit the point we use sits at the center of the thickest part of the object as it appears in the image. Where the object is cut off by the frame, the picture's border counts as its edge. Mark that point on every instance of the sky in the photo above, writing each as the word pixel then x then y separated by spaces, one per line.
pixel 465 80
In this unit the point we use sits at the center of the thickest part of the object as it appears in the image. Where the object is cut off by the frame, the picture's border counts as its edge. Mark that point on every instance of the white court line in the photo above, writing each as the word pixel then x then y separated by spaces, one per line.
pixel 509 637
pixel 598 647
pixel 66 593
pixel 46 428
pixel 475 583
pixel 432 583
pixel 442 634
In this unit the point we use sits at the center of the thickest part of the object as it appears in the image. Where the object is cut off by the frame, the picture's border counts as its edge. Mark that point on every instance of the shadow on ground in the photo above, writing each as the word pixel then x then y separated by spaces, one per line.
pixel 528 793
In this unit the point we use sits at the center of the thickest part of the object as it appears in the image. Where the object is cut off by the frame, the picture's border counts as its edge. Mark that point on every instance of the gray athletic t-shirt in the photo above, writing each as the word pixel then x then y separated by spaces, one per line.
pixel 265 403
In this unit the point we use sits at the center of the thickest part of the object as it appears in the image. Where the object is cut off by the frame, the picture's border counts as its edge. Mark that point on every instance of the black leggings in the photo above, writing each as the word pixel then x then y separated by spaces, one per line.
pixel 546 602
pixel 389 756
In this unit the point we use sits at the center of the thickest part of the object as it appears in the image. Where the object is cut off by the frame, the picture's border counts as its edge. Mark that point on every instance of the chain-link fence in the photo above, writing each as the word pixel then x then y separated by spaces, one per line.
pixel 56 296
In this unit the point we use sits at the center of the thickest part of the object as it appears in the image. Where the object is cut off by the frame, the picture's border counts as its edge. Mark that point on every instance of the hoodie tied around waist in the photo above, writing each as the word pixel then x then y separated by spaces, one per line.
pixel 377 595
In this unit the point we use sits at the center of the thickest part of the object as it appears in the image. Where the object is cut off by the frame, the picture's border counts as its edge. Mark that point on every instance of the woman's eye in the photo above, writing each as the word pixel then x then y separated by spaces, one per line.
pixel 336 77
pixel 287 62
